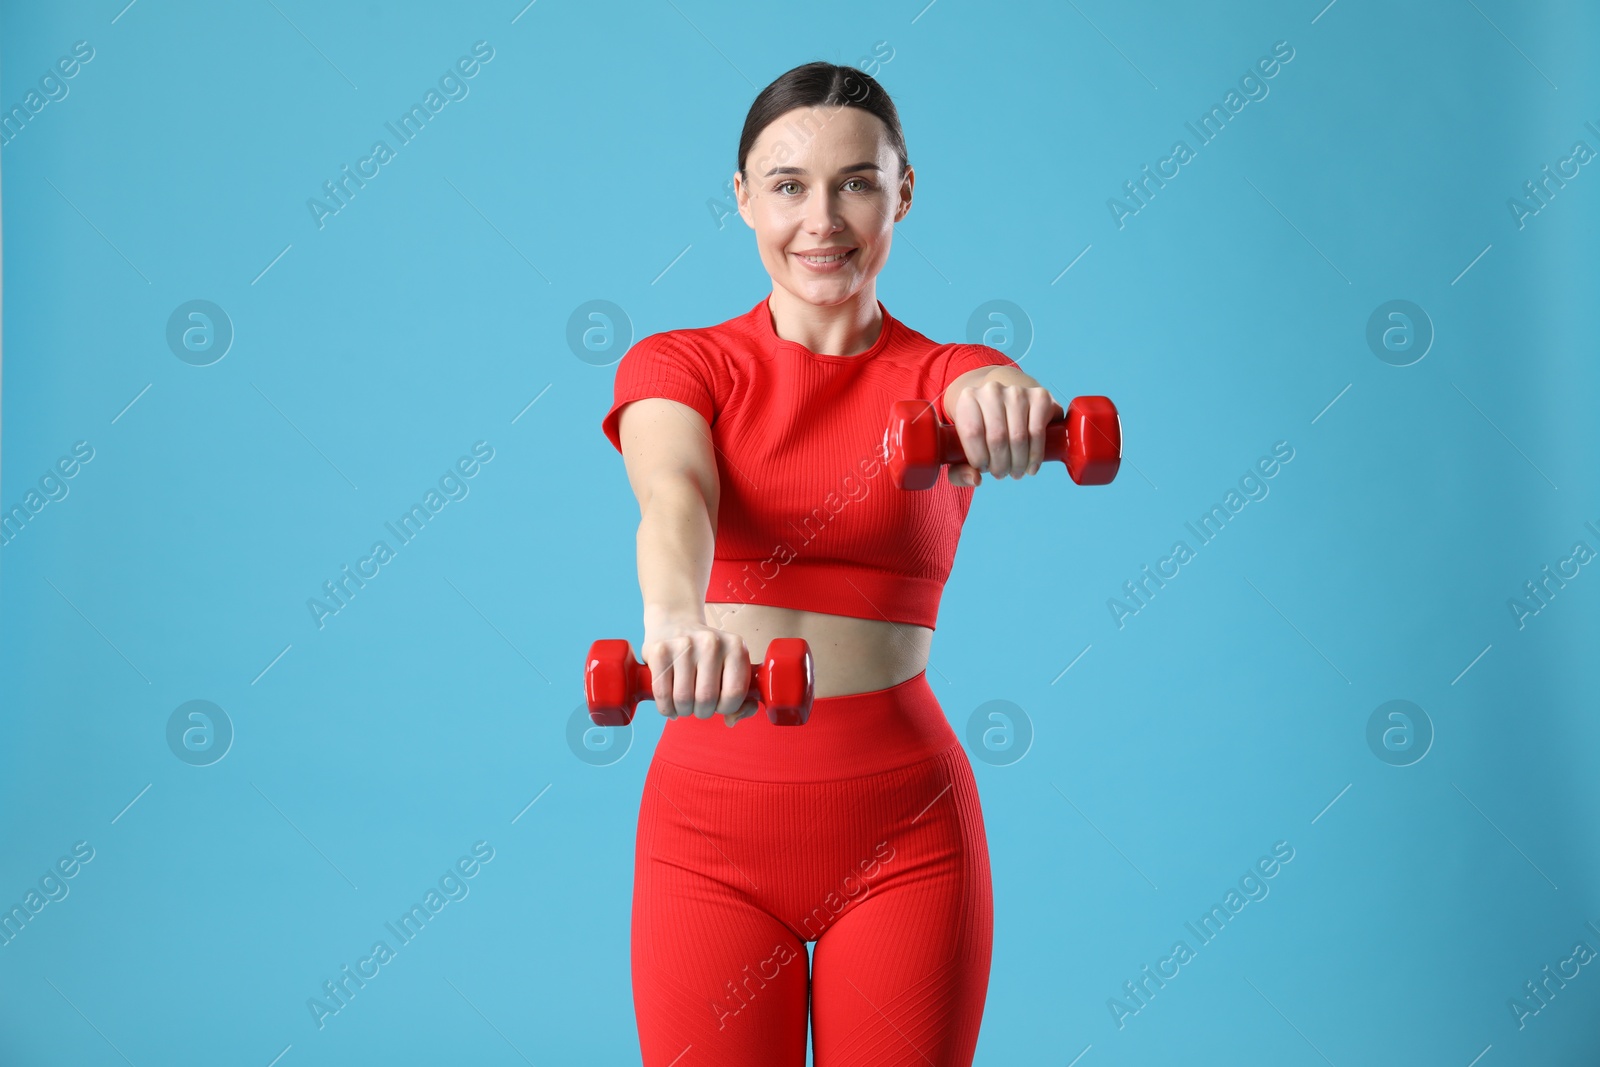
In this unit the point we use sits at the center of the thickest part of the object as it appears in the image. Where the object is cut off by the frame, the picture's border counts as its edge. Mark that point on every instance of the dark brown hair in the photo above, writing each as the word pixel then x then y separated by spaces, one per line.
pixel 817 84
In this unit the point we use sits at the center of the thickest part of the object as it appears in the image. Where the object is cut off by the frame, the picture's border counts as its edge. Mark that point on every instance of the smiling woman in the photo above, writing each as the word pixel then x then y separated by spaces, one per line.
pixel 743 443
pixel 824 245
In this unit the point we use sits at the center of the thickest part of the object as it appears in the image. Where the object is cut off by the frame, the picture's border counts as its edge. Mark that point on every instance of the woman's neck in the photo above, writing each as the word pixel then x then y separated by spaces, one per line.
pixel 846 329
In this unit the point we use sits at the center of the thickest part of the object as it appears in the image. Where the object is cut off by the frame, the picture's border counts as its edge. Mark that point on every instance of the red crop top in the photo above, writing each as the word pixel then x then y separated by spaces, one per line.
pixel 809 517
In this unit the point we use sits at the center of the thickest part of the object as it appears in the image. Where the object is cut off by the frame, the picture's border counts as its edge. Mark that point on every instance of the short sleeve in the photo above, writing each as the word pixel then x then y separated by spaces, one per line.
pixel 663 366
pixel 959 360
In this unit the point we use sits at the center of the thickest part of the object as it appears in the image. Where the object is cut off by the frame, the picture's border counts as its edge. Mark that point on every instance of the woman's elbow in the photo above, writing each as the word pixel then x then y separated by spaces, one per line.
pixel 675 491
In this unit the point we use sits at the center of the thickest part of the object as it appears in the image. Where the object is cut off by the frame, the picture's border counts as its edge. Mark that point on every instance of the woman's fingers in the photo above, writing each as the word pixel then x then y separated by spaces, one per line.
pixel 747 709
pixel 994 431
pixel 968 419
pixel 660 658
pixel 707 685
pixel 699 671
pixel 683 684
pixel 992 404
pixel 735 669
pixel 1042 410
pixel 965 474
pixel 1015 401
pixel 1002 430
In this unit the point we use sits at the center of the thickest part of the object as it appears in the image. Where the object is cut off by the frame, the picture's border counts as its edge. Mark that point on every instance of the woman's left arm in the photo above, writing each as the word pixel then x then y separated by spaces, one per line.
pixel 1000 414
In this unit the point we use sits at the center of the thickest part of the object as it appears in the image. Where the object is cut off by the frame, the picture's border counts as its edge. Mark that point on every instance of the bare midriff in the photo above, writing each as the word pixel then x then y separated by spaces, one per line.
pixel 850 655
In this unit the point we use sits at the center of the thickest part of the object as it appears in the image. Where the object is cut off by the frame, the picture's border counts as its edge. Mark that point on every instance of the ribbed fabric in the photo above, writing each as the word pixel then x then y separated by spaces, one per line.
pixel 887 871
pixel 808 517
pixel 845 737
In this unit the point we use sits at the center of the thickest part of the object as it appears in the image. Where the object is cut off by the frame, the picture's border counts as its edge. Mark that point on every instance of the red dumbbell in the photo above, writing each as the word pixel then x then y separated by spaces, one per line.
pixel 614 682
pixel 1088 440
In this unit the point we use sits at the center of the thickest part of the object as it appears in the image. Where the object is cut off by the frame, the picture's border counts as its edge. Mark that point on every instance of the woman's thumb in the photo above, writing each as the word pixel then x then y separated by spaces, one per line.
pixel 747 709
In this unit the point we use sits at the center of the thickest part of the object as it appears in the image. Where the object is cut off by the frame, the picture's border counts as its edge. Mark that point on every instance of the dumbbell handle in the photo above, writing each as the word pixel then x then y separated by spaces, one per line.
pixel 783 682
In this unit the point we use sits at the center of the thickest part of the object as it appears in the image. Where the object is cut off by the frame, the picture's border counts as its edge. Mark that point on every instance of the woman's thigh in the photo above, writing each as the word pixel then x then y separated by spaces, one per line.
pixel 887 871
pixel 718 980
pixel 902 976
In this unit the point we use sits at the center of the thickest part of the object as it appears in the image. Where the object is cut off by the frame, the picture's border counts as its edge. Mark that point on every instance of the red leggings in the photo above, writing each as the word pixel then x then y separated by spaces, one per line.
pixel 860 831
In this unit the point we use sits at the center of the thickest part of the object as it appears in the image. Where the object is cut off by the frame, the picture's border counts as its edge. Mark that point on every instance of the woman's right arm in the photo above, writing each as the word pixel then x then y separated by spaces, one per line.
pixel 695 669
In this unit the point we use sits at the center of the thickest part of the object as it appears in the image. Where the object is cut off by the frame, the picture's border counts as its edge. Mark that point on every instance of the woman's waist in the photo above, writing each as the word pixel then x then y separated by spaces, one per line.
pixel 846 736
pixel 849 655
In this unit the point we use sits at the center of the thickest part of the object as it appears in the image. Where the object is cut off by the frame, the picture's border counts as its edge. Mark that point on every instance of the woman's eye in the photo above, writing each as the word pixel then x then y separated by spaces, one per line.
pixel 792 188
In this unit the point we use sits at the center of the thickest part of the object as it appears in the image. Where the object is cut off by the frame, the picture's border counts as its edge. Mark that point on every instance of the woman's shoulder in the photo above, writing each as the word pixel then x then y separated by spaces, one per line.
pixel 713 344
pixel 941 356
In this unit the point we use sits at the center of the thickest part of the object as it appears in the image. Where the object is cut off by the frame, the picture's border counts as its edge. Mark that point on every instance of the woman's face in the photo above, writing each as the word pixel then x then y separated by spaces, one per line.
pixel 823 181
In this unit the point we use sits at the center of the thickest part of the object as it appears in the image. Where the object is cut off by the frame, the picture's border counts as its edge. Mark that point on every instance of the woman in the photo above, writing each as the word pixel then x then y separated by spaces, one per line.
pixel 755 448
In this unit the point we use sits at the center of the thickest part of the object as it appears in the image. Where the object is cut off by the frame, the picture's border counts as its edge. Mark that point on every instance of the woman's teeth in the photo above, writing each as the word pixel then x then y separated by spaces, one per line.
pixel 825 259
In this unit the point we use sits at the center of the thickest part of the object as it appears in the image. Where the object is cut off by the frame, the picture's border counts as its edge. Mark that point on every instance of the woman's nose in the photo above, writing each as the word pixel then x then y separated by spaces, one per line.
pixel 822 216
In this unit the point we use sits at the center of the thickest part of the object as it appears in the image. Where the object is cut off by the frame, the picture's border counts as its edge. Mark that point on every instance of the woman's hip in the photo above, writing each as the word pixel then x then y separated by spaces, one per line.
pixel 807 852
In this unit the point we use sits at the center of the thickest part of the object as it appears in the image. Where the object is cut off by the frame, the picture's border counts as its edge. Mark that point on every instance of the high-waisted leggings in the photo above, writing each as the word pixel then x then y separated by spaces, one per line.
pixel 859 831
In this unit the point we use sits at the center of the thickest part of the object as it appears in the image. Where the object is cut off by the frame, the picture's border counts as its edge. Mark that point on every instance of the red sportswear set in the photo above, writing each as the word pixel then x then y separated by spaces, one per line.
pixel 860 831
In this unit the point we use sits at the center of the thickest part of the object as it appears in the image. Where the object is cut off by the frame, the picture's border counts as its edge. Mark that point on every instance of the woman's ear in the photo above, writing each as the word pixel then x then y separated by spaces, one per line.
pixel 741 197
pixel 907 180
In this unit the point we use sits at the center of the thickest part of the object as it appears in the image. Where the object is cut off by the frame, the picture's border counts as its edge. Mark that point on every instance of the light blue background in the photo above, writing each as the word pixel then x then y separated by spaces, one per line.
pixel 1229 714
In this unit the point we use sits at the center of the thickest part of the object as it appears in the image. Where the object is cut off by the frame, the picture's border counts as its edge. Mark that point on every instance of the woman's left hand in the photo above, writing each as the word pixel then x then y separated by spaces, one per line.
pixel 1001 429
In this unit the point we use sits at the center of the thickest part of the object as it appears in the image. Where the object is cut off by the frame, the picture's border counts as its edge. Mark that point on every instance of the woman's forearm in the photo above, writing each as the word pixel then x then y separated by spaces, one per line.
pixel 675 543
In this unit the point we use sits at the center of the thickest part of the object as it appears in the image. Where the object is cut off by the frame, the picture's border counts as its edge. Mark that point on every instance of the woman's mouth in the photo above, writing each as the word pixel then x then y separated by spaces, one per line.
pixel 825 262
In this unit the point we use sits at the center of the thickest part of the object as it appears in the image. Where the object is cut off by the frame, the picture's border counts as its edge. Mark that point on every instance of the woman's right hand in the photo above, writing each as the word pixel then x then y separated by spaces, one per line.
pixel 698 670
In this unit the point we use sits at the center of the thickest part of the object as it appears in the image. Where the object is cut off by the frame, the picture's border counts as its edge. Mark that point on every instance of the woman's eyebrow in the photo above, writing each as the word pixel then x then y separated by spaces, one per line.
pixel 867 165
